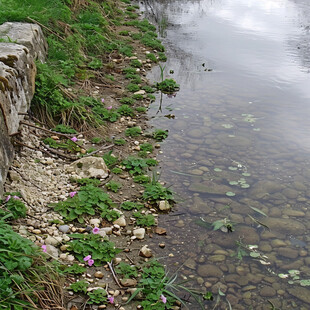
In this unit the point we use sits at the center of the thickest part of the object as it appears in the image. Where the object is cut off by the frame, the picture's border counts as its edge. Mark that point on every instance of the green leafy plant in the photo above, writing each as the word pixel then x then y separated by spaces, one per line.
pixel 168 86
pixel 113 186
pixel 135 78
pixel 137 96
pixel 79 286
pixel 88 201
pixel 110 160
pixel 126 270
pixel 133 87
pixel 117 170
pixel 162 56
pixel 125 110
pixel 135 165
pixel 119 141
pixel 136 63
pixel 224 225
pixel 141 179
pixel 100 249
pixel 64 129
pixel 127 100
pixel 152 57
pixel 75 269
pixel 144 219
pixel 158 289
pixel 96 140
pixel 160 134
pixel 97 296
pixel 109 214
pixel 133 132
pixel 14 206
pixel 155 192
pixel 141 109
pixel 148 89
pixel 128 205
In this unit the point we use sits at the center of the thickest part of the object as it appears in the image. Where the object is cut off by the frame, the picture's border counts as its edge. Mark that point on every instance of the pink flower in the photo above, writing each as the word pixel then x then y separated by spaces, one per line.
pixel 74 139
pixel 111 299
pixel 90 262
pixel 163 298
pixel 43 248
pixel 86 258
pixel 7 198
pixel 102 100
pixel 16 197
pixel 72 194
pixel 109 107
pixel 96 230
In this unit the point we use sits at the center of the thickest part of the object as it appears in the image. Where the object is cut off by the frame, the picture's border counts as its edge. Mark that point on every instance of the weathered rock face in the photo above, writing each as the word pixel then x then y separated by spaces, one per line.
pixel 29 35
pixel 17 82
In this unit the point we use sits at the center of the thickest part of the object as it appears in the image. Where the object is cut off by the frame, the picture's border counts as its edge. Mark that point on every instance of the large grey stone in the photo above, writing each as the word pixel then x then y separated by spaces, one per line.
pixel 89 167
pixel 29 35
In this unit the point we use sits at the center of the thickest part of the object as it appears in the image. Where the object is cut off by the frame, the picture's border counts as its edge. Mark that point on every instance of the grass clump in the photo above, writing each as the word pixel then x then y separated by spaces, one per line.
pixel 133 132
pixel 133 87
pixel 168 86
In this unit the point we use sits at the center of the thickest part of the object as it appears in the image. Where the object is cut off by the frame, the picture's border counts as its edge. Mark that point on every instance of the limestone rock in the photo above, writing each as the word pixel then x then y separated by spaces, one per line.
pixel 29 35
pixel 121 221
pixel 51 250
pixel 145 252
pixel 164 205
pixel 128 282
pixel 90 167
pixel 139 233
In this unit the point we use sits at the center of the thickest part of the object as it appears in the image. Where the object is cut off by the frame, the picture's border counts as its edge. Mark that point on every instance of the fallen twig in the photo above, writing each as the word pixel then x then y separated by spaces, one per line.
pixel 114 275
pixel 58 153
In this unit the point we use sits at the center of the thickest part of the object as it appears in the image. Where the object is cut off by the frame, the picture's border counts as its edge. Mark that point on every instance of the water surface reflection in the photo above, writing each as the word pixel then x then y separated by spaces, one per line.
pixel 239 147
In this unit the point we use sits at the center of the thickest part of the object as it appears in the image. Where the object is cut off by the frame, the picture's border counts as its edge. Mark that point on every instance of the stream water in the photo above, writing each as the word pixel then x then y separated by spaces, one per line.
pixel 238 150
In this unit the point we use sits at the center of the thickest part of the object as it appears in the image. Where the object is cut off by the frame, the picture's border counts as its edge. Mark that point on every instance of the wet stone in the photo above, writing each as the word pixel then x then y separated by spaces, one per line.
pixel 267 291
pixel 300 293
pixel 216 258
pixel 288 252
pixel 290 193
pixel 209 270
pixel 285 226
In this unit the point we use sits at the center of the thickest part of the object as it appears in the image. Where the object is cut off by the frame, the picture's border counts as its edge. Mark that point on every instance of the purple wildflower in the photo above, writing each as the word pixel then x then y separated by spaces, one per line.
pixel 86 258
pixel 96 230
pixel 111 299
pixel 90 262
pixel 74 139
pixel 7 198
pixel 72 194
pixel 109 107
pixel 163 298
pixel 43 248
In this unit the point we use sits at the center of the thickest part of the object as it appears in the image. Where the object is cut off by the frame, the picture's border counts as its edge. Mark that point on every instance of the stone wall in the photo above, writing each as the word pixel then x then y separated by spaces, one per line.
pixel 21 45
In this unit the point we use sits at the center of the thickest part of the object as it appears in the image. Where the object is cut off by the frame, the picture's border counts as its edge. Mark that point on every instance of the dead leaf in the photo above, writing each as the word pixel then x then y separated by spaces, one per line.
pixel 160 231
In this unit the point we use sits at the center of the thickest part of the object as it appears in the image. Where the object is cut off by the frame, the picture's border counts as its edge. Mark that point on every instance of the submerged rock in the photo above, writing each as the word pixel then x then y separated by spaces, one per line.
pixel 301 293
pixel 209 271
pixel 209 187
pixel 262 189
pixel 284 226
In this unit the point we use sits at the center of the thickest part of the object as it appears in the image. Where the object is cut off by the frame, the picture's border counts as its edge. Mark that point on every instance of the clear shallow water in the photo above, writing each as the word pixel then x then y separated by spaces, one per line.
pixel 242 128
